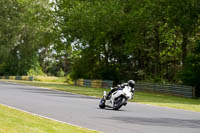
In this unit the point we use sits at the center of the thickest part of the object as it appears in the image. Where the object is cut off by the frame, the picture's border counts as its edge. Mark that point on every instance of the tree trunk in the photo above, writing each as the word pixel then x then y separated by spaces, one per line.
pixel 157 50
pixel 197 89
pixel 184 48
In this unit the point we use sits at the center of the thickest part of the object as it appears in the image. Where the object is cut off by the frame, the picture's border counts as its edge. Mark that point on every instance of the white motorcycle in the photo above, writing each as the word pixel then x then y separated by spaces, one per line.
pixel 117 99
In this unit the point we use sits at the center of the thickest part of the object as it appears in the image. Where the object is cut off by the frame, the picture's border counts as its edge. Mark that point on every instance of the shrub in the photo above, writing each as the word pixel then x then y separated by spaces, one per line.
pixel 36 70
pixel 60 73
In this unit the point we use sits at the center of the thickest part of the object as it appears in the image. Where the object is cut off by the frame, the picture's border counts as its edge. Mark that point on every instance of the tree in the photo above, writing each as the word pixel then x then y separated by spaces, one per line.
pixel 98 39
pixel 134 39
pixel 184 18
pixel 31 29
pixel 9 13
pixel 191 71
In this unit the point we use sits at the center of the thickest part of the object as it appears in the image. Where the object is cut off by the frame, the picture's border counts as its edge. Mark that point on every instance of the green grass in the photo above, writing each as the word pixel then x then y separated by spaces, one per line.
pixel 50 79
pixel 168 101
pixel 140 97
pixel 14 121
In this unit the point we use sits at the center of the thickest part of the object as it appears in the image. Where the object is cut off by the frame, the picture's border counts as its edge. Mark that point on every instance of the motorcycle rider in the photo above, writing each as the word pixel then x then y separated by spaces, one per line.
pixel 130 83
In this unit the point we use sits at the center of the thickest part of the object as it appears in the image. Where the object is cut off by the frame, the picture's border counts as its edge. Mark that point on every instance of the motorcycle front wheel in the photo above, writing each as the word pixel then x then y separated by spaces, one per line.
pixel 118 103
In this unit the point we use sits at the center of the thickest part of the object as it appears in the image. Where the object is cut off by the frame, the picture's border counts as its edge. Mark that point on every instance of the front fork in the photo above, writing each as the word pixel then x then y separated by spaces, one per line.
pixel 104 94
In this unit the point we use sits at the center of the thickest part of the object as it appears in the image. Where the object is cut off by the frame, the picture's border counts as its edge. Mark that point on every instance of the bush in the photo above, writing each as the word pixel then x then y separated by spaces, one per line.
pixel 69 79
pixel 36 71
pixel 61 73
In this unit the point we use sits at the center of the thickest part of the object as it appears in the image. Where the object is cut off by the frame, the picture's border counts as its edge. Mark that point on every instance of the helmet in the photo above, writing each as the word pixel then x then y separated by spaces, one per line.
pixel 131 83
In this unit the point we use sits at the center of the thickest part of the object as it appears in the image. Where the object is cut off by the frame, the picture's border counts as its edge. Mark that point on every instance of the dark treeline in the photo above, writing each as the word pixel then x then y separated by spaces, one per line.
pixel 152 40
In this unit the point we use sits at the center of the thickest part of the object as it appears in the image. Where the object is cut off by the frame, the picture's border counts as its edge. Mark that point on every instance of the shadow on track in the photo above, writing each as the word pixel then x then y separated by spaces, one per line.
pixel 58 93
pixel 110 109
pixel 168 122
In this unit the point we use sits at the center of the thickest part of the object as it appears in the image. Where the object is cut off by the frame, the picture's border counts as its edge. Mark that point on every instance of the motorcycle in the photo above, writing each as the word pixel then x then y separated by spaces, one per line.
pixel 117 99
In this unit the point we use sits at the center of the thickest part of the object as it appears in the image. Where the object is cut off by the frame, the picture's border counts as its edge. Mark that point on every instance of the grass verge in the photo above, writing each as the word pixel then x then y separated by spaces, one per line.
pixel 14 121
pixel 140 97
pixel 50 79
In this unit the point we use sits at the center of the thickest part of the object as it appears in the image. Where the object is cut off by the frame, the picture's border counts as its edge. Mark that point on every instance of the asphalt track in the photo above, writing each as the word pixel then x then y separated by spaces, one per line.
pixel 84 111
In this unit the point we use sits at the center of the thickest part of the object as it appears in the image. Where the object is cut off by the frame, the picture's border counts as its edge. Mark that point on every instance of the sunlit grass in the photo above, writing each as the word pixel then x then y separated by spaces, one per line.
pixel 14 121
pixel 140 97
pixel 50 79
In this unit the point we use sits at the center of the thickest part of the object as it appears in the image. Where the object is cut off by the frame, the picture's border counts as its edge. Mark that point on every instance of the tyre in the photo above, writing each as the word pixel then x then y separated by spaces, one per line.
pixel 102 103
pixel 119 102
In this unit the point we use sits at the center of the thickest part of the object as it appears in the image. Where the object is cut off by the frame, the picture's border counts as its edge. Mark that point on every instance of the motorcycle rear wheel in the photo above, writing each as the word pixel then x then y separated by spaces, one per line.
pixel 102 103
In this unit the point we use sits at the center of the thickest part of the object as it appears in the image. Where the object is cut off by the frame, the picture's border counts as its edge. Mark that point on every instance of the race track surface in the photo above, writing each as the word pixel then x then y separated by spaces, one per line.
pixel 84 111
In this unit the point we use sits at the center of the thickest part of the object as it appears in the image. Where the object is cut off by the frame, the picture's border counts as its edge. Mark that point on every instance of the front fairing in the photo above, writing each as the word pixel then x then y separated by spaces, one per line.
pixel 128 92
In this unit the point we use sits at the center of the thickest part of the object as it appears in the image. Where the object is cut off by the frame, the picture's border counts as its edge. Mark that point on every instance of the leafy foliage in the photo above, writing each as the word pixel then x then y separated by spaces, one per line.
pixel 191 71
pixel 100 39
pixel 60 73
pixel 120 40
pixel 26 27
